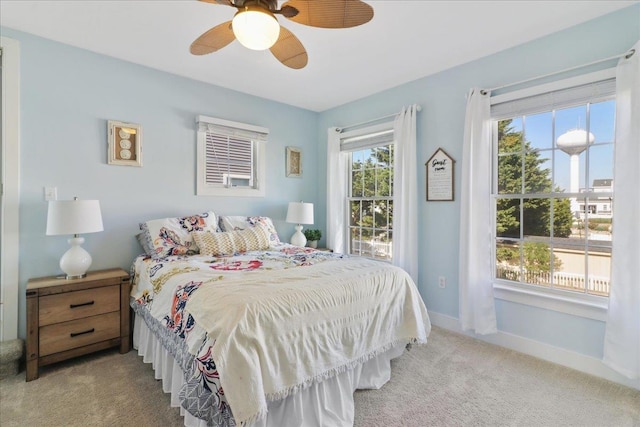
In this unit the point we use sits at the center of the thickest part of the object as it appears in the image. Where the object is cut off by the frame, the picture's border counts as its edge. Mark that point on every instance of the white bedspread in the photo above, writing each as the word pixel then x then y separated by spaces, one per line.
pixel 279 332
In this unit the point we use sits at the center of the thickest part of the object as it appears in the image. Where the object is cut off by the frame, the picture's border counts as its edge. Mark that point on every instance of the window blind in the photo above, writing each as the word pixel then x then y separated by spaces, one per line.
pixel 228 159
pixel 230 152
pixel 592 92
pixel 366 141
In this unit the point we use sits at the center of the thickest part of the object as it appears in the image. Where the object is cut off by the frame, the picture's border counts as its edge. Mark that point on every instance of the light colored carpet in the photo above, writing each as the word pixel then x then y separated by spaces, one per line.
pixel 452 381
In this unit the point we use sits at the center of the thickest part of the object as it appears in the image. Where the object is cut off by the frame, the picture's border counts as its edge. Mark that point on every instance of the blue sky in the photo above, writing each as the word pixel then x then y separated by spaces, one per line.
pixel 539 131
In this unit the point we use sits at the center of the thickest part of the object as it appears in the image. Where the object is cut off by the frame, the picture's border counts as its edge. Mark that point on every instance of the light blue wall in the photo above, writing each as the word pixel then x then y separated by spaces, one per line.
pixel 67 96
pixel 440 124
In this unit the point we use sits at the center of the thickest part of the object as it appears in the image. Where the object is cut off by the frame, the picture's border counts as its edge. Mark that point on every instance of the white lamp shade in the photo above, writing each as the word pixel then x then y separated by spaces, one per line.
pixel 74 217
pixel 256 28
pixel 300 213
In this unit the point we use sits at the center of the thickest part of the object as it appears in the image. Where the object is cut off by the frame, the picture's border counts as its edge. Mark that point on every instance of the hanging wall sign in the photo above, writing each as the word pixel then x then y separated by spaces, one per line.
pixel 440 176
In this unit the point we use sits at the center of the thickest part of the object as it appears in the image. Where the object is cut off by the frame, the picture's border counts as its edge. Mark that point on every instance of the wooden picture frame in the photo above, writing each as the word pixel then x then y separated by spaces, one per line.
pixel 293 162
pixel 125 143
pixel 440 177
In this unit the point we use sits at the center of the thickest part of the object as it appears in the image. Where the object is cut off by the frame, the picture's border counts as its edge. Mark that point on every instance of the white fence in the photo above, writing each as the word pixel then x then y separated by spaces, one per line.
pixel 372 248
pixel 595 285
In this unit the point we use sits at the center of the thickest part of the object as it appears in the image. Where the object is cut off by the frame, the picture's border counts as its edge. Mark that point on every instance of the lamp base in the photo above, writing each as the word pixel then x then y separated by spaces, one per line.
pixel 76 261
pixel 298 238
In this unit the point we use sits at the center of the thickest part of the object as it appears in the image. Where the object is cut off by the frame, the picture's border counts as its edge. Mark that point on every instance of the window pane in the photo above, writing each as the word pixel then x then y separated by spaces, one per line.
pixel 599 265
pixel 510 136
pixel 536 257
pixel 366 218
pixel 538 130
pixel 355 212
pixel 507 260
pixel 598 226
pixel 569 119
pixel 369 181
pixel 536 217
pixel 510 174
pixel 381 245
pixel 382 214
pixel 569 171
pixel 569 273
pixel 508 218
pixel 355 241
pixel 563 220
pixel 602 120
pixel 382 182
pixel 356 183
pixel 601 167
pixel 537 176
pixel 357 158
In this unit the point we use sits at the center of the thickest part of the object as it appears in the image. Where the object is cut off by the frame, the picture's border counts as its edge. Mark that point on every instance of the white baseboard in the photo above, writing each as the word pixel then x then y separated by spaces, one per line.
pixel 580 362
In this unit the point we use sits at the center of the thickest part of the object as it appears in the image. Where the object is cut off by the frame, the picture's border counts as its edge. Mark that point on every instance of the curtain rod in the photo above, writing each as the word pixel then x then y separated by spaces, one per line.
pixel 341 129
pixel 626 55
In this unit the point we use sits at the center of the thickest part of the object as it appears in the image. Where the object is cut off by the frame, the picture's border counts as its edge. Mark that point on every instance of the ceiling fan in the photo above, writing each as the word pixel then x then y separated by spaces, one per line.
pixel 256 27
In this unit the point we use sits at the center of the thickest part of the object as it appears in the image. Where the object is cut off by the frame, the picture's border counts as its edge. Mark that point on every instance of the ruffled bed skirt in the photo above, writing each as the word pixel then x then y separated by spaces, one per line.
pixel 329 403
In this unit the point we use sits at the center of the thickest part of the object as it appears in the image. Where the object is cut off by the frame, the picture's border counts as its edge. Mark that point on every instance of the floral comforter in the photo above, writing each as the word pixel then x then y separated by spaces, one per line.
pixel 160 292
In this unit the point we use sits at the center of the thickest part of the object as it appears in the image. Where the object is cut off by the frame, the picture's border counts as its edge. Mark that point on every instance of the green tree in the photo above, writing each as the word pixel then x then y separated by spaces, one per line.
pixel 537 219
pixel 370 179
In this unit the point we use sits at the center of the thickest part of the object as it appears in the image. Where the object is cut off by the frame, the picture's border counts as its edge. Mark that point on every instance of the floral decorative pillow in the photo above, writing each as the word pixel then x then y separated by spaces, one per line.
pixel 232 242
pixel 231 223
pixel 172 236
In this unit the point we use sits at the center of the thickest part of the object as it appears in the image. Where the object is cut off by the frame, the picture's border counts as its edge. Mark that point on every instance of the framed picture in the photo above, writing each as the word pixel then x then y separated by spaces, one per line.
pixel 440 177
pixel 125 143
pixel 294 162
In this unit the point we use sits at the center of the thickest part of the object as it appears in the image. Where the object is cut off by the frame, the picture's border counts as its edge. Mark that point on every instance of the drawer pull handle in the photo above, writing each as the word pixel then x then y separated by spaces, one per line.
pixel 75 334
pixel 81 305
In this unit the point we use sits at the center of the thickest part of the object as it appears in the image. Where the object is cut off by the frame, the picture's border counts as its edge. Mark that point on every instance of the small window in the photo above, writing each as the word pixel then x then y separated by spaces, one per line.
pixel 370 194
pixel 230 158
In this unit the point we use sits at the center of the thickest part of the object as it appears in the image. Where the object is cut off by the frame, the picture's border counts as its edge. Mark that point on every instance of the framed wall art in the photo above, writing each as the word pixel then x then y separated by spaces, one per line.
pixel 440 176
pixel 294 162
pixel 125 143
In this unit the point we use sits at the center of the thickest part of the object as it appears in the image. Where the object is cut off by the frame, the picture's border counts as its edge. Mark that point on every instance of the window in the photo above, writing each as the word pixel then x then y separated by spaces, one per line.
pixel 552 189
pixel 230 158
pixel 370 193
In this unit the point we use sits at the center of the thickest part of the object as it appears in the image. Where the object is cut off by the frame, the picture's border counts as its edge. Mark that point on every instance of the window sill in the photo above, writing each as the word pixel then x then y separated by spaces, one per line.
pixel 589 306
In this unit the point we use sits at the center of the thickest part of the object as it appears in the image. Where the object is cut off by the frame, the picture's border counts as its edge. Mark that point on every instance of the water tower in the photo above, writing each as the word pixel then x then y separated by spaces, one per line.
pixel 573 143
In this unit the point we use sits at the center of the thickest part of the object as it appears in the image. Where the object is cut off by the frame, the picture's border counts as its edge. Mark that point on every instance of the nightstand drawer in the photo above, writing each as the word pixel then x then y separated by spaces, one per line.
pixel 78 304
pixel 77 333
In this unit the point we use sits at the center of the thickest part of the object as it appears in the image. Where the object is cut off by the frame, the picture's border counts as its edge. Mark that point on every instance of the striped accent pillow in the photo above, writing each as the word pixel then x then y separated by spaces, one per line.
pixel 232 242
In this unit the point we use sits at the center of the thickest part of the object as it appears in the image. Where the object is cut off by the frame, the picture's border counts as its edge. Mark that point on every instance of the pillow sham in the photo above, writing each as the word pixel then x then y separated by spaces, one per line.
pixel 172 236
pixel 232 242
pixel 234 223
pixel 142 239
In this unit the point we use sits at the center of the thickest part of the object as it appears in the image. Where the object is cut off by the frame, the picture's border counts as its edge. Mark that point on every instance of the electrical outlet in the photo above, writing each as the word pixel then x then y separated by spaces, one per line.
pixel 50 193
pixel 442 282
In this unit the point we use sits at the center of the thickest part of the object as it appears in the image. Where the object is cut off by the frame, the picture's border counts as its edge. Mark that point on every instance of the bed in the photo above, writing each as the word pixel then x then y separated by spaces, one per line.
pixel 246 330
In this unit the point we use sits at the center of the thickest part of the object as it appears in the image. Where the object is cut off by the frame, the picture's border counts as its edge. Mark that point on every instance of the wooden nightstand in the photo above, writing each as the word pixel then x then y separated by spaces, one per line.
pixel 69 318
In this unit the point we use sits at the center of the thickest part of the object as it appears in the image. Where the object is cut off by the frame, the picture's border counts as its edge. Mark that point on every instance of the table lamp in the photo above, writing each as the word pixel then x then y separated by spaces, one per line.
pixel 74 217
pixel 299 213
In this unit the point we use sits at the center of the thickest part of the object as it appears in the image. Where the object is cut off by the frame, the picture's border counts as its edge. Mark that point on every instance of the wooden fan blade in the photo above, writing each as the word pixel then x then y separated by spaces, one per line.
pixel 213 40
pixel 222 2
pixel 289 50
pixel 330 13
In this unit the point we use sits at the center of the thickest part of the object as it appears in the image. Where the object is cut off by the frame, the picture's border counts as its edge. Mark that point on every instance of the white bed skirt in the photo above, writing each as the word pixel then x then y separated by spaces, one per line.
pixel 329 403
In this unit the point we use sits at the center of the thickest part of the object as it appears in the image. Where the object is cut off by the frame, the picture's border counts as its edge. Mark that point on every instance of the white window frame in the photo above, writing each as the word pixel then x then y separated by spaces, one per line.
pixel 578 304
pixel 356 140
pixel 258 136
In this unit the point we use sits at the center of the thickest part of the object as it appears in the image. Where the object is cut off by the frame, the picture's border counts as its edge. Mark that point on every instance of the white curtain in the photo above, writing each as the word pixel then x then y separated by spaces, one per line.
pixel 622 333
pixel 337 164
pixel 405 193
pixel 476 304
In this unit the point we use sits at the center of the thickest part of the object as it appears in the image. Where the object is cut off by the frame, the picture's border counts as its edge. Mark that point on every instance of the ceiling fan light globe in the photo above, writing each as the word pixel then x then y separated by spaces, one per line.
pixel 256 28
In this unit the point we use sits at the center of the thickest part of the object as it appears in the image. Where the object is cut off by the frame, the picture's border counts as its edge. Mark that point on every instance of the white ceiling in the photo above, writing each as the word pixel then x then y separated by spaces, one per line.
pixel 406 40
